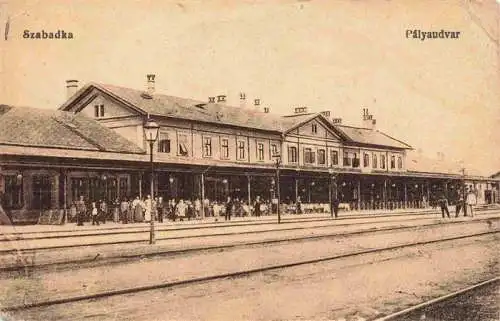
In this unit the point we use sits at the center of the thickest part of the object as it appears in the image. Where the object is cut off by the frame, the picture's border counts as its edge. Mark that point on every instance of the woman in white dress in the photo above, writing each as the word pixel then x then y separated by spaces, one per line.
pixel 181 210
pixel 147 212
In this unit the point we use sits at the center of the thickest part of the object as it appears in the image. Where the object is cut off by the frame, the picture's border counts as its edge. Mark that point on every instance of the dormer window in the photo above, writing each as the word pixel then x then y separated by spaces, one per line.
pixel 99 111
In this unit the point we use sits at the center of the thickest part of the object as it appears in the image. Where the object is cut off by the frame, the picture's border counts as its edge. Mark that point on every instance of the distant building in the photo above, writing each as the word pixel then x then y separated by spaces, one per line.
pixel 94 146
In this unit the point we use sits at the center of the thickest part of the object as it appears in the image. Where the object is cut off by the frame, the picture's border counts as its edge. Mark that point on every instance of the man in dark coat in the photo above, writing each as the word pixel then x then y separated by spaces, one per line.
pixel 256 206
pixel 335 206
pixel 443 204
pixel 229 208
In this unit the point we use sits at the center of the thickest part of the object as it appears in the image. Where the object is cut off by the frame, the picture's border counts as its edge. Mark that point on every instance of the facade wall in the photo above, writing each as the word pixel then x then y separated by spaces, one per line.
pixel 187 140
pixel 101 107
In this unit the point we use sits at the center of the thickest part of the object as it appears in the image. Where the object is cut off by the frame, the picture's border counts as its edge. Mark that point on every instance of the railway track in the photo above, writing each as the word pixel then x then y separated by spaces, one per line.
pixel 136 229
pixel 234 274
pixel 157 252
pixel 331 223
pixel 133 229
pixel 146 239
pixel 68 234
pixel 411 312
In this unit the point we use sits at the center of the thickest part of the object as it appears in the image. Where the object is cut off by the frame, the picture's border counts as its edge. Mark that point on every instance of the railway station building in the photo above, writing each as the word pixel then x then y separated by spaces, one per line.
pixel 94 146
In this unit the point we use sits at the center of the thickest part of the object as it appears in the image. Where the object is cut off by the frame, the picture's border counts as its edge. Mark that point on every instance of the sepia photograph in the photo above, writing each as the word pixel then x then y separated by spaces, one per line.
pixel 249 160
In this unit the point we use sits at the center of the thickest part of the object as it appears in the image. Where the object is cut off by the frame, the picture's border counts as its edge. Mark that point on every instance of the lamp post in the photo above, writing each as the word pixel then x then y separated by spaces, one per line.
pixel 463 192
pixel 331 175
pixel 277 157
pixel 226 192
pixel 151 130
pixel 273 191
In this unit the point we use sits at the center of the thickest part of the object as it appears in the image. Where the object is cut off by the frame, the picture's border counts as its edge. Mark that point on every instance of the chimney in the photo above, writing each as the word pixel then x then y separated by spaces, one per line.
pixel 368 121
pixel 337 121
pixel 440 156
pixel 211 100
pixel 221 99
pixel 150 84
pixel 300 110
pixel 266 110
pixel 326 113
pixel 71 87
pixel 256 102
pixel 243 99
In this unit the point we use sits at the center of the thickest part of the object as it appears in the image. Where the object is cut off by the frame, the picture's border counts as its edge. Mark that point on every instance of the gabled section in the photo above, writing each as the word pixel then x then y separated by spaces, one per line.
pixel 96 101
pixel 312 125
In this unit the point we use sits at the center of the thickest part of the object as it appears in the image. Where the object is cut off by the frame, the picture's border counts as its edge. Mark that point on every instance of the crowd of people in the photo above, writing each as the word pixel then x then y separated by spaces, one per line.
pixel 462 204
pixel 144 210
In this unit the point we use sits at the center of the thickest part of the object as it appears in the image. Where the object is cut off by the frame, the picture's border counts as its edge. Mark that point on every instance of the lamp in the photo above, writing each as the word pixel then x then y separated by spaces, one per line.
pixel 19 178
pixel 171 179
pixel 151 130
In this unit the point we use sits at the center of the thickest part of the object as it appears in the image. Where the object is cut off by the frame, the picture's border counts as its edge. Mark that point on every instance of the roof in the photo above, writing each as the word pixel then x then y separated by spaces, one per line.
pixel 371 137
pixel 36 127
pixel 185 108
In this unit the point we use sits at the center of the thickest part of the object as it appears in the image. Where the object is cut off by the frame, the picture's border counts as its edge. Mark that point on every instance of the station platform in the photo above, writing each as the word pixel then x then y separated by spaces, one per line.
pixel 35 228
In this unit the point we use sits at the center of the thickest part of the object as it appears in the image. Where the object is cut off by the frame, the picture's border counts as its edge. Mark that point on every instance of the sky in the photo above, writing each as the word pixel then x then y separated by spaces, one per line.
pixel 438 95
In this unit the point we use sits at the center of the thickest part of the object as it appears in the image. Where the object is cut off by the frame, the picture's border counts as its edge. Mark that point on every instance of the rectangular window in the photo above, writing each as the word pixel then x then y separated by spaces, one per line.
pixel 13 197
pixel 41 192
pixel 335 158
pixel 347 160
pixel 164 144
pixel 241 149
pixel 274 150
pixel 314 128
pixel 78 187
pixel 321 157
pixel 355 161
pixel 260 151
pixel 182 145
pixel 98 111
pixel 123 187
pixel 309 156
pixel 292 154
pixel 393 161
pixel 207 147
pixel 366 160
pixel 374 161
pixel 400 162
pixel 382 161
pixel 224 146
